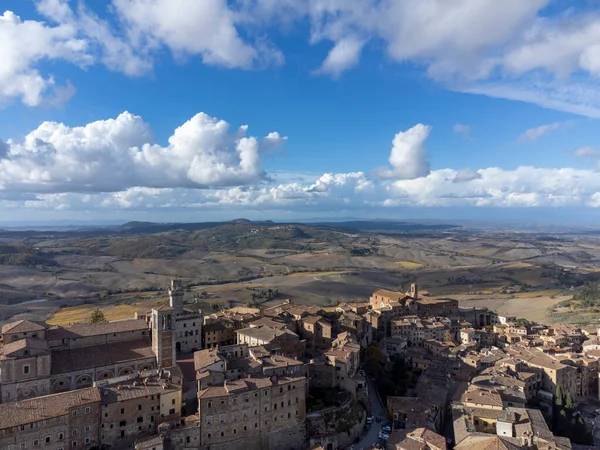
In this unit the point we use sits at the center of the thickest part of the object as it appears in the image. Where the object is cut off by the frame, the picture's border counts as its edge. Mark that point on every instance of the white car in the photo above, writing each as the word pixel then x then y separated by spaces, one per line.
pixel 383 436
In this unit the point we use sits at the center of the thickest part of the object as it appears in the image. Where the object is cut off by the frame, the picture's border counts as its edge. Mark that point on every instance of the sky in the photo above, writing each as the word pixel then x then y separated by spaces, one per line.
pixel 189 110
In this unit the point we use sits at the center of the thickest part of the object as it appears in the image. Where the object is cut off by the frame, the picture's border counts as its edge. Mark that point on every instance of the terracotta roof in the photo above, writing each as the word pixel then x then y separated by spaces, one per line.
pixel 245 384
pixel 205 358
pixel 393 295
pixel 47 407
pixel 417 439
pixel 268 322
pixel 64 361
pixel 23 326
pixel 95 329
pixel 126 391
pixel 487 442
pixel 264 334
pixel 27 343
pixel 164 308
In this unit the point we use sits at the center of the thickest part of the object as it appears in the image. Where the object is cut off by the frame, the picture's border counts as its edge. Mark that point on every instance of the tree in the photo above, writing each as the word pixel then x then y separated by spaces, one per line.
pixel 97 316
pixel 569 403
pixel 558 397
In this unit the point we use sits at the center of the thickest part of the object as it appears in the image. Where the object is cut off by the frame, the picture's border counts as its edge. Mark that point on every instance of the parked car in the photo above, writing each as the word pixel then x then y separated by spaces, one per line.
pixel 383 436
pixel 386 429
pixel 370 420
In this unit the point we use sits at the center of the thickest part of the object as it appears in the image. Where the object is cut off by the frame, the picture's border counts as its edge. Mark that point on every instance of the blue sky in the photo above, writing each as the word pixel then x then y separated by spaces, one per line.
pixel 381 108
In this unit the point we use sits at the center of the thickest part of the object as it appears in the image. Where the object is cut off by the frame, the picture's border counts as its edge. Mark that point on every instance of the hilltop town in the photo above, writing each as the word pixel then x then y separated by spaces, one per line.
pixel 402 370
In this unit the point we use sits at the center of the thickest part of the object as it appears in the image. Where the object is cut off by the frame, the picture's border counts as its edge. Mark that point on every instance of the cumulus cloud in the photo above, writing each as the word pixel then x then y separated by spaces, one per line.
pixel 408 157
pixel 493 187
pixel 533 134
pixel 504 49
pixel 464 175
pixel 116 154
pixel 206 28
pixel 509 49
pixel 25 44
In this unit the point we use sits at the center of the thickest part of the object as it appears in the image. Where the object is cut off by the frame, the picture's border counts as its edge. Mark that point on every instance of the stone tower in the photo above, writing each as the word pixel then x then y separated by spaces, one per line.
pixel 163 342
pixel 414 290
pixel 176 295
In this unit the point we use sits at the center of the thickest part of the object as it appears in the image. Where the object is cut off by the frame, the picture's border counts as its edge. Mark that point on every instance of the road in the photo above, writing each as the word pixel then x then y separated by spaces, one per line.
pixel 378 411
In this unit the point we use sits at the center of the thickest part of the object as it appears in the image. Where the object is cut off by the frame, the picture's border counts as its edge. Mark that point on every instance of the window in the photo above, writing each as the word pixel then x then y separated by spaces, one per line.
pixel 222 434
pixel 47 439
pixel 23 445
pixel 25 370
pixel 74 444
pixel 88 409
pixel 74 432
pixel 245 427
pixel 140 419
pixel 36 442
pixel 209 405
pixel 122 423
pixel 172 402
pixel 122 410
pixel 74 413
pixel 208 435
pixel 87 440
pixel 60 436
pixel 172 411
pixel 87 429
pixel 105 414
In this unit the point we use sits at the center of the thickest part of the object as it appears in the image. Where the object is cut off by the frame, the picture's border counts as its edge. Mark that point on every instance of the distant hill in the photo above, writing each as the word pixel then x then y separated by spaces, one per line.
pixel 23 255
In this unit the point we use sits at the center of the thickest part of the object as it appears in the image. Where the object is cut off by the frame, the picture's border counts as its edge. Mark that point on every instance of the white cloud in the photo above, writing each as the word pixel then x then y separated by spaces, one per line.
pixel 116 154
pixel 408 157
pixel 205 28
pixel 587 152
pixel 508 49
pixel 25 44
pixel 533 134
pixel 464 175
pixel 344 55
pixel 493 187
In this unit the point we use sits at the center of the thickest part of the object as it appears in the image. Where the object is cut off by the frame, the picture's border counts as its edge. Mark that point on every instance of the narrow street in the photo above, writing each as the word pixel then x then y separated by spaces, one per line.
pixel 378 411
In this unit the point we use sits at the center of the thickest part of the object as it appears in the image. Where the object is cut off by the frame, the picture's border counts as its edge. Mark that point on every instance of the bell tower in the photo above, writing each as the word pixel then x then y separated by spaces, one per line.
pixel 176 295
pixel 163 343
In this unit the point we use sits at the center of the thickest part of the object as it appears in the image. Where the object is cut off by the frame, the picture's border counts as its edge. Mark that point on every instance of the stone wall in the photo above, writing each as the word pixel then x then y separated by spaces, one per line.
pixel 341 427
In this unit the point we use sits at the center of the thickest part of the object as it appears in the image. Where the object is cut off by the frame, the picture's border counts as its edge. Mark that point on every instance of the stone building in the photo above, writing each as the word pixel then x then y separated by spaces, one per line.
pixel 136 405
pixel 187 324
pixel 316 331
pixel 59 359
pixel 68 420
pixel 254 413
pixel 219 331
pixel 418 330
pixel 280 341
